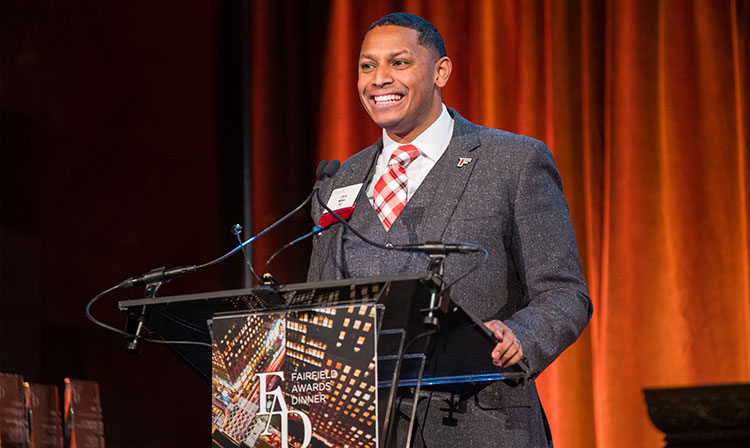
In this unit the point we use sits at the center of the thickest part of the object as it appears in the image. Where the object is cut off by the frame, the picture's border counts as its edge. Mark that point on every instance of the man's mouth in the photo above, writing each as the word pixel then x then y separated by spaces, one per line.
pixel 386 99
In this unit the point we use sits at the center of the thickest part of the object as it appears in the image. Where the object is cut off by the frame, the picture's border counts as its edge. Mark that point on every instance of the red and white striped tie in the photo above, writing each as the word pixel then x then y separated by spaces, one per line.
pixel 389 195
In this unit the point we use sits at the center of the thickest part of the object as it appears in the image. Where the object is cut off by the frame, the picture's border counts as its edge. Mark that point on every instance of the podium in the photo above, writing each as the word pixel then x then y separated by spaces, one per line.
pixel 321 364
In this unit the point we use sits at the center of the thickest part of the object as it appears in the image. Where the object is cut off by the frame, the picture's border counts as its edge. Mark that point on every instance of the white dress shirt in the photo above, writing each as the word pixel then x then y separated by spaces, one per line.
pixel 431 143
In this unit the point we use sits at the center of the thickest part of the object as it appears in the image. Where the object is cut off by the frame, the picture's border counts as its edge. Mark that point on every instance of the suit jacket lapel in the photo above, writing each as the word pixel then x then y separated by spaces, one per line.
pixel 447 180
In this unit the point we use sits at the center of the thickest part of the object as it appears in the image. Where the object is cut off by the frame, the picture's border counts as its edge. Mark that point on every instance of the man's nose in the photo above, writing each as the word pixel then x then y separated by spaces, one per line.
pixel 382 76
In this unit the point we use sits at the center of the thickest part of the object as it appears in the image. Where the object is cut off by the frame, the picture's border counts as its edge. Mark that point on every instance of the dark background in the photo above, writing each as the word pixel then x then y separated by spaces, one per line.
pixel 123 136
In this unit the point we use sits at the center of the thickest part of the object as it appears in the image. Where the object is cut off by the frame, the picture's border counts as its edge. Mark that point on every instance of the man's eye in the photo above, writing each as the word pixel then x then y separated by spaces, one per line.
pixel 399 63
pixel 366 66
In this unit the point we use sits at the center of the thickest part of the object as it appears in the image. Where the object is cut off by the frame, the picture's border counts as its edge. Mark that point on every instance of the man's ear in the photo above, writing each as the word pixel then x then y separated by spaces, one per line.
pixel 443 69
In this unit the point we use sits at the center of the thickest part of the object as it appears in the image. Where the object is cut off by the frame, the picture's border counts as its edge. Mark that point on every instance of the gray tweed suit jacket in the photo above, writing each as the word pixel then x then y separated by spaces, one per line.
pixel 509 200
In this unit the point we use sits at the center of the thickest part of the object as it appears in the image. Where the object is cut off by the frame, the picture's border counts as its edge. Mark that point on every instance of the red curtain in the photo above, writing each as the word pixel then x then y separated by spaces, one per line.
pixel 645 106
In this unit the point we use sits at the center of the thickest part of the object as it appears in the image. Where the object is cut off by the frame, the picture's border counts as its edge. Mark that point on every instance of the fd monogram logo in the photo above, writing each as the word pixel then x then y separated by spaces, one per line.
pixel 279 407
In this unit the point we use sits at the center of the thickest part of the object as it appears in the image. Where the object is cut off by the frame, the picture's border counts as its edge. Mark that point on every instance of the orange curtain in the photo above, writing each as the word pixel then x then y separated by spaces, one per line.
pixel 645 106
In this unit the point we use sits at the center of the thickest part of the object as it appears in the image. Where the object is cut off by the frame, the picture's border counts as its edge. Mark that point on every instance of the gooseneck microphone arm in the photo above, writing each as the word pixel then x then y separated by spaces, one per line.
pixel 237 232
pixel 325 169
pixel 286 246
pixel 429 248
pixel 154 278
pixel 165 275
pixel 348 227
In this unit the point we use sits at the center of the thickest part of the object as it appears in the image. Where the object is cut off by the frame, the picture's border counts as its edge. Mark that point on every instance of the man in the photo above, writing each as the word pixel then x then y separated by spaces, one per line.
pixel 434 176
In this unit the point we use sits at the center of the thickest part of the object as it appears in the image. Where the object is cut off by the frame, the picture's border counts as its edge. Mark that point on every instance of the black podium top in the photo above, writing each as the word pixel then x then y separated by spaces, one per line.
pixel 459 350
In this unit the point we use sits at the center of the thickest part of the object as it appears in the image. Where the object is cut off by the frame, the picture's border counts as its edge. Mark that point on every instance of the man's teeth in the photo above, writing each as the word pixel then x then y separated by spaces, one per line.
pixel 385 99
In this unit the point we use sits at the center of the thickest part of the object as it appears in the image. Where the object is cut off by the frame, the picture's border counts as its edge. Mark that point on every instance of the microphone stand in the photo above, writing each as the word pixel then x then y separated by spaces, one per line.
pixel 437 256
pixel 137 320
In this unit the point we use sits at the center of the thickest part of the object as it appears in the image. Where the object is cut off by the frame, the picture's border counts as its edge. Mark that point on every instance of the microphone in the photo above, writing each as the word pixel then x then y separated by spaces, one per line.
pixel 321 169
pixel 332 167
pixel 158 275
pixel 325 169
pixel 438 248
pixel 320 173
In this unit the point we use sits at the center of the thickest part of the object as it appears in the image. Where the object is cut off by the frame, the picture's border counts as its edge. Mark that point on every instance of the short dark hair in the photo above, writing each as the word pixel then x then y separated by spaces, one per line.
pixel 427 35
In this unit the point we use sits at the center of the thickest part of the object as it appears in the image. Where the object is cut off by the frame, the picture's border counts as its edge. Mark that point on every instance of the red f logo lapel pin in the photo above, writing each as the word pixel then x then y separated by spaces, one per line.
pixel 463 161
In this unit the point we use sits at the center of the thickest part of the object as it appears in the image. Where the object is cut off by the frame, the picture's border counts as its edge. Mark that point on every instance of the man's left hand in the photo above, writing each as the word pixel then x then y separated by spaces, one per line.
pixel 508 350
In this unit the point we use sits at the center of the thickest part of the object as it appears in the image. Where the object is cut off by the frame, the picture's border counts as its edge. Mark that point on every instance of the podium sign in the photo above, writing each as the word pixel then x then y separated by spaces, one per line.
pixel 285 378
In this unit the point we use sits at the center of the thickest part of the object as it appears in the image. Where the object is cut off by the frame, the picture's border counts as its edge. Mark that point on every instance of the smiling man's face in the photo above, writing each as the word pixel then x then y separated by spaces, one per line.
pixel 400 80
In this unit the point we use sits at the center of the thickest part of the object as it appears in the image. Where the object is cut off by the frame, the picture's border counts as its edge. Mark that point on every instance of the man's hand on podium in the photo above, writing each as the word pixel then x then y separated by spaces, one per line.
pixel 508 350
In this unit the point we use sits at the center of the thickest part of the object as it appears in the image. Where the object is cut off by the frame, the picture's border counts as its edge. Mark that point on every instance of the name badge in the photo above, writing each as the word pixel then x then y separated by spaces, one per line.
pixel 342 201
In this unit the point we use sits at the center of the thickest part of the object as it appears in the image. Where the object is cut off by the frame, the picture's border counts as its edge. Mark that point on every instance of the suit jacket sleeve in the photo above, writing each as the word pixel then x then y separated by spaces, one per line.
pixel 544 250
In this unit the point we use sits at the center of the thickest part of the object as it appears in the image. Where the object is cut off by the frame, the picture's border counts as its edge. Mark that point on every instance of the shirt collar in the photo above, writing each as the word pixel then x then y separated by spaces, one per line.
pixel 431 143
